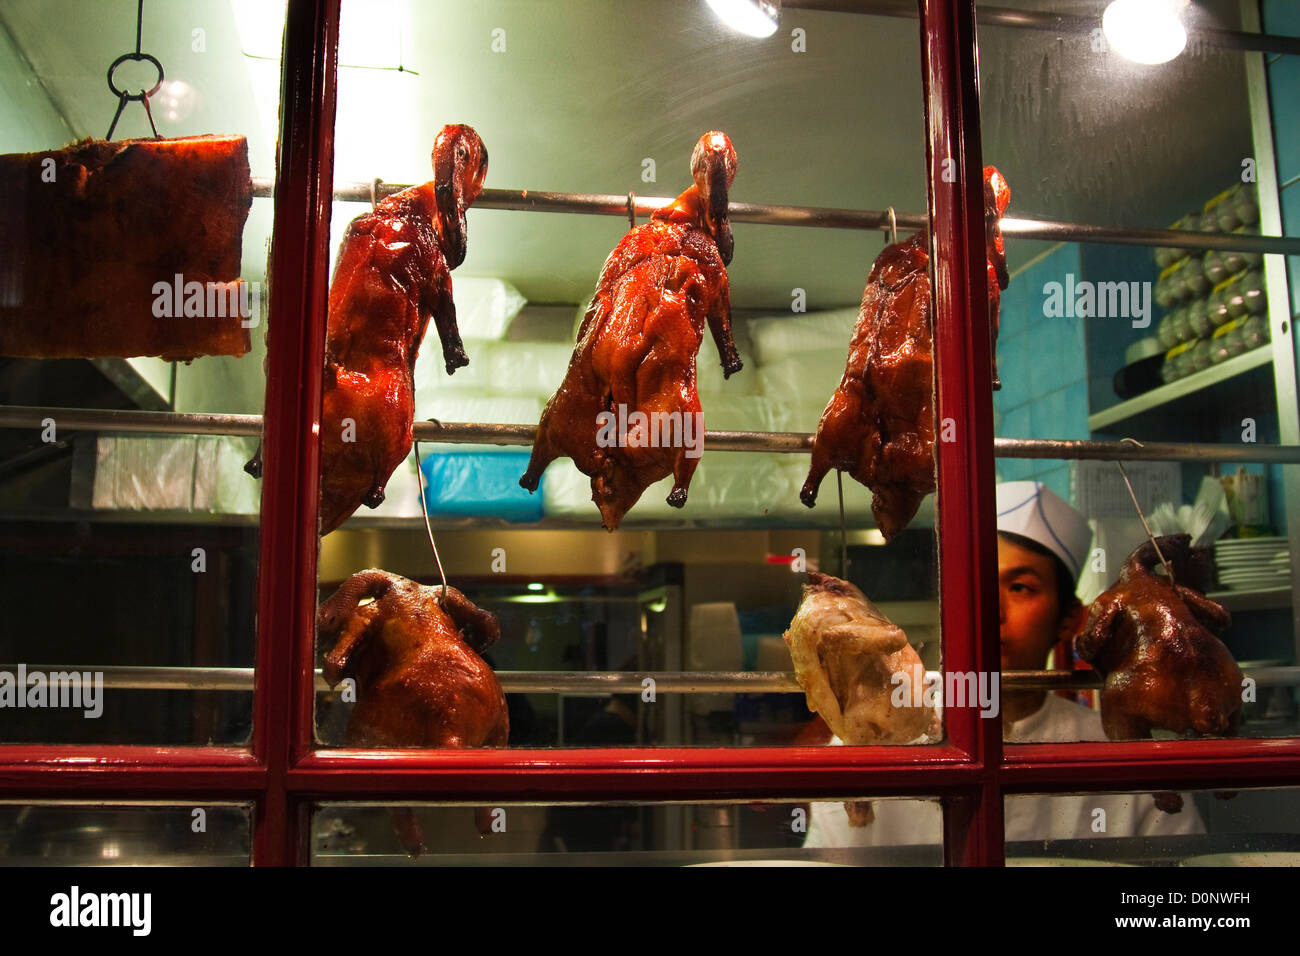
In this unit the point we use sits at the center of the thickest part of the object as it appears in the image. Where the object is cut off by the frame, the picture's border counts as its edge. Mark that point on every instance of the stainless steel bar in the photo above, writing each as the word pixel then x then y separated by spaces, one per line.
pixel 113 420
pixel 589 682
pixel 1080 232
pixel 600 204
pixel 1150 451
pixel 479 433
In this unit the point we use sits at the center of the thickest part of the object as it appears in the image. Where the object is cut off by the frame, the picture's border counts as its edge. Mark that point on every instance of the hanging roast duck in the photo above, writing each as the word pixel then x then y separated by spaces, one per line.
pixel 879 423
pixel 634 361
pixel 393 274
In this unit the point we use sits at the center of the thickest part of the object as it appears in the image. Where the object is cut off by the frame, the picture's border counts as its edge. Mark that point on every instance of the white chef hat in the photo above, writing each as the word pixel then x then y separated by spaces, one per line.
pixel 1034 511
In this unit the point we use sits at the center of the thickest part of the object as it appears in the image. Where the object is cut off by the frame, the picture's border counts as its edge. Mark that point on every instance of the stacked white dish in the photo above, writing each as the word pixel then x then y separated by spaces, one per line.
pixel 1252 564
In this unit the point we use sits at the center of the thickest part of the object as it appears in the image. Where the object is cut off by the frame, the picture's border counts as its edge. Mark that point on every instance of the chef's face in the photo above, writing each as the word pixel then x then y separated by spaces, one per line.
pixel 1031 616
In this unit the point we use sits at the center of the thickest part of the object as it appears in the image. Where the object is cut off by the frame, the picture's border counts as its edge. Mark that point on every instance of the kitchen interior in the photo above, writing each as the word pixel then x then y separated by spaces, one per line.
pixel 571 100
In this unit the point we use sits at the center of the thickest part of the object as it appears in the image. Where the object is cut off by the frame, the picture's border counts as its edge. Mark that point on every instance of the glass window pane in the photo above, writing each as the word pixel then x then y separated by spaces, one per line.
pixel 1107 336
pixel 49 834
pixel 1246 828
pixel 134 279
pixel 780 833
pixel 706 590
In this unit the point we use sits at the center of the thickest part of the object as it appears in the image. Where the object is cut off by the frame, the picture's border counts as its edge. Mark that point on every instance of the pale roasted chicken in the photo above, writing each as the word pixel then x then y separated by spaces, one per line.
pixel 637 347
pixel 879 423
pixel 393 273
pixel 852 663
pixel 414 653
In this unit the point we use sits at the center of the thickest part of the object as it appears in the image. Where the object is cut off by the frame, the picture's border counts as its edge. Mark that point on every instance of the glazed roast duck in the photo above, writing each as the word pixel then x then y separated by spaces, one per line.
pixel 638 343
pixel 1156 643
pixel 415 654
pixel 393 273
pixel 879 423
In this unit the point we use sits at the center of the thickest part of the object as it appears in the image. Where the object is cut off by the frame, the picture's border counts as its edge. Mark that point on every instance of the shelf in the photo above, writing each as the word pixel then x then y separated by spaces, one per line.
pixel 1193 383
pixel 1267 599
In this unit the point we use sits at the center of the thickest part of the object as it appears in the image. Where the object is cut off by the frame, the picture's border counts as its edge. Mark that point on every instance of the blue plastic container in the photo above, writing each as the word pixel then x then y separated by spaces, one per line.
pixel 479 484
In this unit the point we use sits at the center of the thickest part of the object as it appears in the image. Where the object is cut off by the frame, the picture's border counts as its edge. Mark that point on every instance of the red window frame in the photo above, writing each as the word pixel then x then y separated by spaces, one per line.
pixel 282 774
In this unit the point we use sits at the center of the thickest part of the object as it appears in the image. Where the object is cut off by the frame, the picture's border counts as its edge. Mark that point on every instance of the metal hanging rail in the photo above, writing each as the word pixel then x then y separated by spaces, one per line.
pixel 601 204
pixel 477 433
pixel 593 682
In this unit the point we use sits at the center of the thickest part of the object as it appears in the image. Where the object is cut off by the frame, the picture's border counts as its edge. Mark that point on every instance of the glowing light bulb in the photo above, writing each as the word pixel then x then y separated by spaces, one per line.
pixel 1145 31
pixel 755 18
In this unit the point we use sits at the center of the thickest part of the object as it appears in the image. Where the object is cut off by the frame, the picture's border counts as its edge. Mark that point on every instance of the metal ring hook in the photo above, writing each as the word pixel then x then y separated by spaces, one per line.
pixel 893 226
pixel 123 97
pixel 374 193
pixel 631 210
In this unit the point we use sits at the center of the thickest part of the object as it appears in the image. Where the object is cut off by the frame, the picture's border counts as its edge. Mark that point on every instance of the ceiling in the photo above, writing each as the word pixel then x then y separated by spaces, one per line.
pixel 585 91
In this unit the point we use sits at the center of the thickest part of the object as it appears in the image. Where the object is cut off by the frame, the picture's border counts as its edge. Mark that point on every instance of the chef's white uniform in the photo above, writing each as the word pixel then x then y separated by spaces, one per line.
pixel 1057 817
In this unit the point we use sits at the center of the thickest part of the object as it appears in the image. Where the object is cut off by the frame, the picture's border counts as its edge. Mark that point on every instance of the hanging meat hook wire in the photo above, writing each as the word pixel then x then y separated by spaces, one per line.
pixel 123 97
pixel 1138 508
pixel 893 226
pixel 428 528
pixel 844 533
pixel 631 210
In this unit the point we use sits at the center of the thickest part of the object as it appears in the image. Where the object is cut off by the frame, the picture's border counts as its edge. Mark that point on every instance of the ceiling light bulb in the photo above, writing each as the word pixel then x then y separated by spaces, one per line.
pixel 1145 31
pixel 755 18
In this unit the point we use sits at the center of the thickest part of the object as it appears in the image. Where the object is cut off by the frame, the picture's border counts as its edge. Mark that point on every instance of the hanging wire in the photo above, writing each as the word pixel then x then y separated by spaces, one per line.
pixel 1138 508
pixel 631 210
pixel 123 97
pixel 893 227
pixel 844 533
pixel 424 510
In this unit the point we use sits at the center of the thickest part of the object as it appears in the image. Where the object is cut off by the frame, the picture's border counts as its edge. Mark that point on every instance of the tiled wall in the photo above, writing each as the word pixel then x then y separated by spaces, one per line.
pixel 1044 376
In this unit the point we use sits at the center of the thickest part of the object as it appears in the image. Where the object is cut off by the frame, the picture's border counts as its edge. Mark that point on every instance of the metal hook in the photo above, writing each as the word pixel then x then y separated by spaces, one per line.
pixel 1138 508
pixel 424 510
pixel 374 193
pixel 893 226
pixel 631 210
pixel 844 534
pixel 123 97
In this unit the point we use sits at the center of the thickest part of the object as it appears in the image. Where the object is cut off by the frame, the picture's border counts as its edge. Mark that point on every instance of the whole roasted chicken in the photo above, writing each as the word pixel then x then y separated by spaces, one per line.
pixel 855 666
pixel 414 653
pixel 393 273
pixel 634 362
pixel 879 423
pixel 858 671
pixel 1156 644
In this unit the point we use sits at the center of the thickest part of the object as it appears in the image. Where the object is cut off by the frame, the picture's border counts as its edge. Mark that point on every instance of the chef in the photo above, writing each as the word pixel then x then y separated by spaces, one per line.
pixel 1042 546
